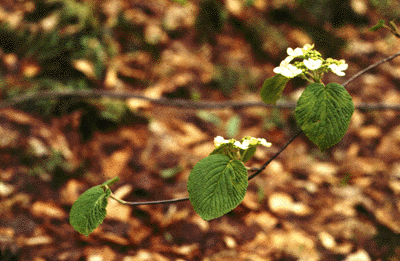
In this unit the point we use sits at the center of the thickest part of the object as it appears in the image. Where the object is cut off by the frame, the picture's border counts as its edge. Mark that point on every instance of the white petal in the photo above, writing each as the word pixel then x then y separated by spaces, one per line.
pixel 239 145
pixel 253 141
pixel 293 71
pixel 343 67
pixel 307 64
pixel 286 73
pixel 308 47
pixel 264 142
pixel 294 53
pixel 278 69
pixel 312 64
pixel 219 140
pixel 287 61
pixel 338 69
pixel 246 144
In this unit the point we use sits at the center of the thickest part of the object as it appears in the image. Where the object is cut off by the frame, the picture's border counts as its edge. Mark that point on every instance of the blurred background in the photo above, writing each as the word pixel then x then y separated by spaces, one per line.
pixel 342 204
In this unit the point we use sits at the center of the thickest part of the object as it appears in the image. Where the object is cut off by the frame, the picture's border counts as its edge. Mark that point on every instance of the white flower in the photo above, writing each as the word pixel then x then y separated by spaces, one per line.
pixel 286 69
pixel 289 71
pixel 264 142
pixel 338 69
pixel 257 141
pixel 246 143
pixel 243 146
pixel 312 64
pixel 286 62
pixel 294 53
pixel 253 141
pixel 299 51
pixel 219 140
pixel 307 47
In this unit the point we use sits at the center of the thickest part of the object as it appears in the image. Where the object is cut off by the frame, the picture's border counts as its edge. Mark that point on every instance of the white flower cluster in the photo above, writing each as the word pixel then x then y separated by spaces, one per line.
pixel 308 63
pixel 338 66
pixel 244 144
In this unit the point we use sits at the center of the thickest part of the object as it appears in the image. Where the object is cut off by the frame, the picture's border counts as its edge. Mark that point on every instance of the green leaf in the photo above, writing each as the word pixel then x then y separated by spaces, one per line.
pixel 111 182
pixel 247 154
pixel 226 149
pixel 89 210
pixel 272 88
pixel 324 112
pixel 378 26
pixel 217 185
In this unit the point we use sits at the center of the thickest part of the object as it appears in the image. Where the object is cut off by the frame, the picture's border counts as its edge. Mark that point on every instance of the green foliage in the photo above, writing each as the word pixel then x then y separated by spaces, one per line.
pixel 181 2
pixel 249 3
pixel 260 34
pixel 211 19
pixel 195 95
pixel 112 109
pixel 89 210
pixel 48 164
pixel 209 117
pixel 321 9
pixel 233 126
pixel 217 185
pixel 378 26
pixel 389 8
pixel 272 88
pixel 75 35
pixel 227 149
pixel 110 182
pixel 226 79
pixel 324 112
pixel 391 26
pixel 171 172
pixel 260 193
pixel 247 154
pixel 274 120
pixel 344 181
pixel 83 11
pixel 335 12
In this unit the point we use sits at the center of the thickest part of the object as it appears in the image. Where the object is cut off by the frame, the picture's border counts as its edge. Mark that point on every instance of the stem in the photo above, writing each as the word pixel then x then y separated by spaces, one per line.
pixel 310 77
pixel 259 170
pixel 176 103
pixel 119 200
pixel 167 201
pixel 370 67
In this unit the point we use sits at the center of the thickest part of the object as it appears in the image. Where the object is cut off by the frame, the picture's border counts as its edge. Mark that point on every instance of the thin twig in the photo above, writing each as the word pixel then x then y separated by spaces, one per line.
pixel 177 103
pixel 370 67
pixel 259 170
pixel 377 106
pixel 148 202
